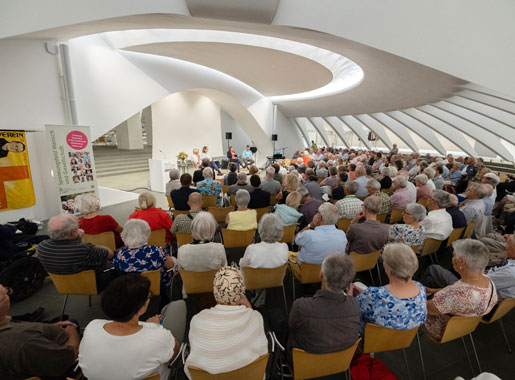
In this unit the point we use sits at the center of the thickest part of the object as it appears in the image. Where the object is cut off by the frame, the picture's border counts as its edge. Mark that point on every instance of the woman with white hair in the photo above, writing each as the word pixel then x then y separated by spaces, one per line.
pixel 288 212
pixel 138 256
pixel 156 218
pixel 400 305
pixel 270 252
pixel 195 158
pixel 203 254
pixel 174 183
pixel 92 223
pixel 423 191
pixel 209 186
pixel 290 183
pixel 386 179
pixel 243 219
pixel 472 295
pixel 411 232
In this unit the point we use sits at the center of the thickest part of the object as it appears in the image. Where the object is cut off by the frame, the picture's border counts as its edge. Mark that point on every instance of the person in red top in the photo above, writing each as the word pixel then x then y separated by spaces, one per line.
pixel 92 223
pixel 156 218
pixel 305 157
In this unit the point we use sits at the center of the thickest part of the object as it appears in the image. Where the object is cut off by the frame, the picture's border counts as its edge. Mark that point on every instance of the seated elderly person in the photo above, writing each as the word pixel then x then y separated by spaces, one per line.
pixel 290 183
pixel 35 349
pixel 231 177
pixel 181 196
pixel 319 239
pixel 242 219
pixel 361 180
pixel 386 180
pixel 473 295
pixel 401 196
pixel 474 207
pixel 458 218
pixel 400 305
pixel 156 218
pixel 339 191
pixel 138 256
pixel 374 188
pixel 92 223
pixel 107 347
pixel 370 235
pixel 174 183
pixel 321 171
pixel 287 212
pixel 411 232
pixel 429 173
pixel 438 222
pixel 349 206
pixel 230 335
pixel 209 186
pixel 258 197
pixel 182 222
pixel 309 206
pixel 270 252
pixel 503 276
pixel 332 180
pixel 65 253
pixel 312 185
pixel 423 190
pixel 269 183
pixel 203 254
pixel 241 184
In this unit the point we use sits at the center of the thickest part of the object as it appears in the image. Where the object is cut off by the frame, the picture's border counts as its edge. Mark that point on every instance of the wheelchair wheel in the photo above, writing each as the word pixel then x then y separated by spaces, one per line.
pixel 24 276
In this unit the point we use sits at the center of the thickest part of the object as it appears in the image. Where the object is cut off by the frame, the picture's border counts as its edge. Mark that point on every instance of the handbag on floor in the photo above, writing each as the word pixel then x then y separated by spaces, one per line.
pixel 365 367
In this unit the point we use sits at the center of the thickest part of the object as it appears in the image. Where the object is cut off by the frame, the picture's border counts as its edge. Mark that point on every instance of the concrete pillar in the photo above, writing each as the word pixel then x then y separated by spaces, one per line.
pixel 129 133
pixel 146 120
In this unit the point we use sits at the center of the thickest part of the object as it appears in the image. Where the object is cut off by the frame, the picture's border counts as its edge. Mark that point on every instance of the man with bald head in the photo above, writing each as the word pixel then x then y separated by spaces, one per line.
pixel 65 253
pixel 458 218
pixel 182 222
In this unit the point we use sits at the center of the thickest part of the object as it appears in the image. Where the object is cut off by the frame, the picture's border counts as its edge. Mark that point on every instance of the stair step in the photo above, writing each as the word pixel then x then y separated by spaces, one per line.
pixel 120 172
pixel 115 163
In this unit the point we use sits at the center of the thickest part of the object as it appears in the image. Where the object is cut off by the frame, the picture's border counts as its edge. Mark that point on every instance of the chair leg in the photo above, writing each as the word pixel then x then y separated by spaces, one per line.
pixel 293 284
pixel 406 363
pixel 371 277
pixel 421 358
pixel 475 353
pixel 379 274
pixel 285 303
pixel 504 335
pixel 89 300
pixel 467 353
pixel 64 306
pixel 347 374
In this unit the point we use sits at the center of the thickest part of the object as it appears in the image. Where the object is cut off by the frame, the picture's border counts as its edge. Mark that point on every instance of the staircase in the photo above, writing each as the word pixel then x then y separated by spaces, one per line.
pixel 110 161
pixel 500 167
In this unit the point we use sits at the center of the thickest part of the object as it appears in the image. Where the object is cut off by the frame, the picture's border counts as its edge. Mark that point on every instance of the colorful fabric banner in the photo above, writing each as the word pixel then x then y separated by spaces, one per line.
pixel 16 190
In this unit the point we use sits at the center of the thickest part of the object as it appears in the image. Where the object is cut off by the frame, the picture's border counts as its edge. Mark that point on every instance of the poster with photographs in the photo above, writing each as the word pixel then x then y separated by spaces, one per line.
pixel 74 165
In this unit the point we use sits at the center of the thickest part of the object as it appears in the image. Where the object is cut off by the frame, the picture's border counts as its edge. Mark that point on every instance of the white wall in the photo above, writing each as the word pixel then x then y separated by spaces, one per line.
pixel 239 138
pixel 288 135
pixel 184 121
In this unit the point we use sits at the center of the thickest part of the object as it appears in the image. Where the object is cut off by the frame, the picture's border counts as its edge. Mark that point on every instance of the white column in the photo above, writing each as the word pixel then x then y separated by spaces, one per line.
pixel 129 133
pixel 146 120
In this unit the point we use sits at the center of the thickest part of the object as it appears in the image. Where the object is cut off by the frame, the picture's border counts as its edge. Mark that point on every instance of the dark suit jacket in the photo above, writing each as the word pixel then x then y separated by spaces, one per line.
pixel 197 175
pixel 180 197
pixel 458 218
pixel 259 199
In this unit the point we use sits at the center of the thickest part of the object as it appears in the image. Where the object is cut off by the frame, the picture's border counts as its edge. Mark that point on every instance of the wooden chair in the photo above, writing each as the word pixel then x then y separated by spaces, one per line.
pixel 220 212
pixel 430 247
pixel 500 310
pixel 225 188
pixel 197 282
pixel 179 212
pixel 155 281
pixel 396 215
pixel 309 274
pixel 308 366
pixel 469 230
pixel 261 211
pixel 288 234
pixel 158 238
pixel 459 327
pixel 82 283
pixel 233 200
pixel 273 199
pixel 319 180
pixel 264 278
pixel 209 200
pixel 253 371
pixel 105 238
pixel 343 224
pixel 422 201
pixel 183 239
pixel 236 239
pixel 381 218
pixel 170 202
pixel 455 235
pixel 366 261
pixel 381 339
pixel 361 198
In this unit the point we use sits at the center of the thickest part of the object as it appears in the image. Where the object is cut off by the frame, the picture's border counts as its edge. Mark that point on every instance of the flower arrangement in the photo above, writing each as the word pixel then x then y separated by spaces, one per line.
pixel 181 157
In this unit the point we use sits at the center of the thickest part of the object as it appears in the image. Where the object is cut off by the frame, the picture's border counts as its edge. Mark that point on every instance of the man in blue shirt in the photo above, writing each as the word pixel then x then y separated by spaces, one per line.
pixel 247 156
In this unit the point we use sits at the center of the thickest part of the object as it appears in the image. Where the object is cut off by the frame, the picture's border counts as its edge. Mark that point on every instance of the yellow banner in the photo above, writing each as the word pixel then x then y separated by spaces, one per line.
pixel 16 190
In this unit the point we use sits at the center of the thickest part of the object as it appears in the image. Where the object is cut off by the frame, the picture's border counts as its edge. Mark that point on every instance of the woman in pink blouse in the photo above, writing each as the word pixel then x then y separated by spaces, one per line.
pixel 423 191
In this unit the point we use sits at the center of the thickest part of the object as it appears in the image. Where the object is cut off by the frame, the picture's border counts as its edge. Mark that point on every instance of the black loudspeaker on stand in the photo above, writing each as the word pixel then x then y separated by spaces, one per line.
pixel 228 137
pixel 274 137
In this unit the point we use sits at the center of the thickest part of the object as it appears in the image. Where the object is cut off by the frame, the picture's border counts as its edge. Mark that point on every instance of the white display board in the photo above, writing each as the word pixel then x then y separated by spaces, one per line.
pixel 159 173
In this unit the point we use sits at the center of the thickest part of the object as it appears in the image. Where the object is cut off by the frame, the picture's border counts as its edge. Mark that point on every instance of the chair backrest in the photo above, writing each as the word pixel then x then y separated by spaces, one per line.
pixel 220 212
pixel 152 376
pixel 364 261
pixel 310 273
pixel 501 309
pixel 308 366
pixel 381 218
pixel 233 200
pixel 469 230
pixel 158 238
pixel 430 246
pixel 261 211
pixel 197 282
pixel 459 326
pixel 253 371
pixel 262 278
pixel 396 215
pixel 343 224
pixel 273 199
pixel 380 339
pixel 155 281
pixel 169 199
pixel 319 180
pixel 225 188
pixel 105 238
pixel 179 212
pixel 183 239
pixel 361 198
pixel 79 283
pixel 236 239
pixel 455 235
pixel 422 201
pixel 209 200
pixel 288 233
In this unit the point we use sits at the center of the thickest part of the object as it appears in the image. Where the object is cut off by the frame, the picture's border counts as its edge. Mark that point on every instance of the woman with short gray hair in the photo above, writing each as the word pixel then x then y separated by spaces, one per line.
pixel 423 191
pixel 270 252
pixel 174 183
pixel 91 223
pixel 243 219
pixel 156 218
pixel 386 179
pixel 203 254
pixel 400 305
pixel 138 256
pixel 411 232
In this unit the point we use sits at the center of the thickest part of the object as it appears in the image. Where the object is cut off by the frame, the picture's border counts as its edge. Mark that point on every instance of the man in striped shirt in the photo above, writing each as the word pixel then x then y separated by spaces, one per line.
pixel 65 253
